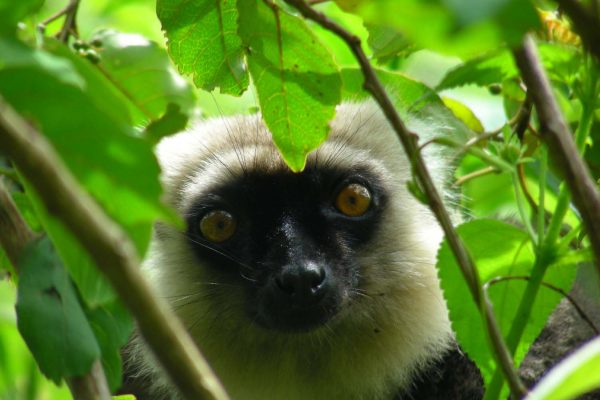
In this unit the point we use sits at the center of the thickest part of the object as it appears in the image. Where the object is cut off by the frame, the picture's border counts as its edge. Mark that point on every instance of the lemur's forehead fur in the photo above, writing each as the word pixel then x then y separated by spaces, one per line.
pixel 392 325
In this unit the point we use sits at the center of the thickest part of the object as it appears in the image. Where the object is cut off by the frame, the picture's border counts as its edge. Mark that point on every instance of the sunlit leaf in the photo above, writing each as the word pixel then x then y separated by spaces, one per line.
pixel 297 81
pixel 203 41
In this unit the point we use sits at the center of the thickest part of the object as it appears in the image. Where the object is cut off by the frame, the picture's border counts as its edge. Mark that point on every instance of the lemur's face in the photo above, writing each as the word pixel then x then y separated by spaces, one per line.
pixel 290 240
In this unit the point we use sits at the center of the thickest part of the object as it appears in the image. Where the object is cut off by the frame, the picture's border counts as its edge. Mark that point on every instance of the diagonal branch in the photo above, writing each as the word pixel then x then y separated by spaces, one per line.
pixel 555 132
pixel 410 143
pixel 14 236
pixel 585 23
pixel 112 251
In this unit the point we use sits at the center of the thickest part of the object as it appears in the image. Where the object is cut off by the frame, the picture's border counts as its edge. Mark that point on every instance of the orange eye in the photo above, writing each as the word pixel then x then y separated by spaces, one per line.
pixel 353 200
pixel 217 226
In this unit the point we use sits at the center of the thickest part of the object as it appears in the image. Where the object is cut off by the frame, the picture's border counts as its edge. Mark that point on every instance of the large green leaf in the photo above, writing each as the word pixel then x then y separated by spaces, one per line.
pixel 203 41
pixel 141 70
pixel 574 376
pixel 499 250
pixel 297 81
pixel 87 121
pixel 50 317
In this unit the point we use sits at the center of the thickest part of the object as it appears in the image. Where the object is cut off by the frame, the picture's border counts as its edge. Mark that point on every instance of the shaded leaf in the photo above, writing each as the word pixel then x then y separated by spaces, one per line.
pixel 112 326
pixel 171 122
pixel 142 71
pixel 297 81
pixel 451 26
pixel 50 317
pixel 499 250
pixel 498 66
pixel 11 12
pixel 386 42
pixel 203 41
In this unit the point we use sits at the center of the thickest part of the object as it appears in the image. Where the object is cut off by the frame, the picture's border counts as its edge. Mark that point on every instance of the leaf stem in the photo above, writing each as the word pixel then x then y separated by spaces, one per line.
pixel 522 211
pixel 541 207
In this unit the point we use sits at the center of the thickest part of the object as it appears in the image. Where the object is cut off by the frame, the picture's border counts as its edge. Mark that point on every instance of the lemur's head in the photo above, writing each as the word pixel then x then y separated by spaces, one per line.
pixel 326 265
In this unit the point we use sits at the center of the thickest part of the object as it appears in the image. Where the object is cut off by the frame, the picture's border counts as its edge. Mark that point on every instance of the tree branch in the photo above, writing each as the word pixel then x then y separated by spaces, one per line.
pixel 14 236
pixel 555 132
pixel 410 143
pixel 113 253
pixel 585 23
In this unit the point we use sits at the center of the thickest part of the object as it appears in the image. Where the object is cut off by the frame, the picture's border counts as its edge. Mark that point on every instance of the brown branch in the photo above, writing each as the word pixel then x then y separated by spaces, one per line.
pixel 92 386
pixel 585 23
pixel 410 143
pixel 14 236
pixel 555 132
pixel 14 232
pixel 550 286
pixel 70 24
pixel 112 252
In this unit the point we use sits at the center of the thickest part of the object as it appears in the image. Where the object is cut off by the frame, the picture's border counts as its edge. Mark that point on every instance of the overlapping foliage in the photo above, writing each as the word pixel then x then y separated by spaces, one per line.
pixel 104 100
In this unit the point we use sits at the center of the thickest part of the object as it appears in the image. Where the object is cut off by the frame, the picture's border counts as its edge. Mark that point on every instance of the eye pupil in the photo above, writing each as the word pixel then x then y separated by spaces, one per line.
pixel 217 226
pixel 353 200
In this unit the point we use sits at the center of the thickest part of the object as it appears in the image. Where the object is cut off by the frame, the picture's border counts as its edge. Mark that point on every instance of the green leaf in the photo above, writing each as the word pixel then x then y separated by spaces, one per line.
pixel 141 70
pixel 89 125
pixel 420 107
pixel 464 113
pixel 497 66
pixel 171 122
pixel 203 41
pixel 112 326
pixel 50 317
pixel 124 397
pixel 297 81
pixel 14 55
pixel 27 211
pixel 451 26
pixel 11 12
pixel 574 376
pixel 386 42
pixel 484 70
pixel 499 250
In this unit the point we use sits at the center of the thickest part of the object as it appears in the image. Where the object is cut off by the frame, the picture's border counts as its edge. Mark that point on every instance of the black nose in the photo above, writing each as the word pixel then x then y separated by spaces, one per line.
pixel 303 283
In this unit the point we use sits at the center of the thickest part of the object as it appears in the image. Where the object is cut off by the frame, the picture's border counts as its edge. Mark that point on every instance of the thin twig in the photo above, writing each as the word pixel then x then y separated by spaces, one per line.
pixel 410 144
pixel 69 26
pixel 555 132
pixel 585 23
pixel 550 286
pixel 112 252
pixel 475 174
pixel 14 236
